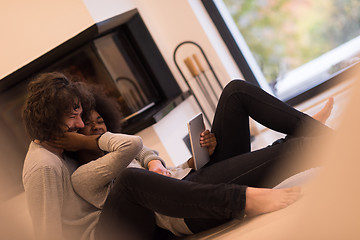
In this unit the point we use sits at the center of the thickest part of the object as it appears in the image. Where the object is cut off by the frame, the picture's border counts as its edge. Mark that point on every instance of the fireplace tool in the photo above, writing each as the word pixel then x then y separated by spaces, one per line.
pixel 206 81
pixel 195 73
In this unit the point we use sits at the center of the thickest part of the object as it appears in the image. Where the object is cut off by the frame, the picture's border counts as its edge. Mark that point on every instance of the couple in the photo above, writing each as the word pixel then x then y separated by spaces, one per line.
pixel 78 184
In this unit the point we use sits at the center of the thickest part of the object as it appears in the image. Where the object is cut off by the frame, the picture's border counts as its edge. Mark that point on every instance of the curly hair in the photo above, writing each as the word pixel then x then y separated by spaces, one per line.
pixel 50 97
pixel 107 107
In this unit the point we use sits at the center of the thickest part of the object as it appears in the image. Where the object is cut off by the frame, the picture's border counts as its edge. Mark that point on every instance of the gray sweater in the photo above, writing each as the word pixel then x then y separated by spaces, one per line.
pixel 57 212
pixel 93 180
pixel 65 202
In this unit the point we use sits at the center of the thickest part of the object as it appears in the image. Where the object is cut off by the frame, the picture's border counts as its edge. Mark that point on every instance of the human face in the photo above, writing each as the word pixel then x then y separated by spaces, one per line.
pixel 95 125
pixel 73 121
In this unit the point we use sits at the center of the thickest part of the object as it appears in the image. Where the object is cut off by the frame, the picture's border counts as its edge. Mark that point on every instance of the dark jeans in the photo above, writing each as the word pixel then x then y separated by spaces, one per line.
pixel 215 193
pixel 232 161
pixel 129 209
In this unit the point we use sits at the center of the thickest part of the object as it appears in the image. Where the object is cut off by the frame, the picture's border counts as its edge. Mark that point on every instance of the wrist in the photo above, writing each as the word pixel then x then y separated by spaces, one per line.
pixel 91 142
pixel 153 162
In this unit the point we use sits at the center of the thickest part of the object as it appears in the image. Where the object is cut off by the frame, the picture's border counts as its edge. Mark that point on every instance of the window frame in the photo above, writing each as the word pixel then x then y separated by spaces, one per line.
pixel 243 65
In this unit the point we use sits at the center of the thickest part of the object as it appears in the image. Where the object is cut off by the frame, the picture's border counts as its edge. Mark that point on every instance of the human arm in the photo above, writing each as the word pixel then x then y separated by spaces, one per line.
pixel 91 181
pixel 72 141
pixel 158 167
pixel 150 159
pixel 207 139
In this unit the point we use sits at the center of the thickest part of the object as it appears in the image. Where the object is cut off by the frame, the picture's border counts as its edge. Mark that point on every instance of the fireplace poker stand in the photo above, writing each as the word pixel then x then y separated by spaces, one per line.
pixel 201 77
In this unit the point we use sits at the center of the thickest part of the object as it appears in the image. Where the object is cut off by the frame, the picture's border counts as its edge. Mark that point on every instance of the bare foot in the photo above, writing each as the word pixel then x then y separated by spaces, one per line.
pixel 325 112
pixel 264 200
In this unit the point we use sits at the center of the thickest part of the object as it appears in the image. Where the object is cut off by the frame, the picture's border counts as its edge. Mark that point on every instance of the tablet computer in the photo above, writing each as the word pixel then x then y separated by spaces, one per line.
pixel 200 154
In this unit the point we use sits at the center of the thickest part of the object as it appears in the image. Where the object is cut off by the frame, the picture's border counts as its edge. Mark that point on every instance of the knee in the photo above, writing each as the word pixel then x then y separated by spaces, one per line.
pixel 127 176
pixel 124 183
pixel 234 86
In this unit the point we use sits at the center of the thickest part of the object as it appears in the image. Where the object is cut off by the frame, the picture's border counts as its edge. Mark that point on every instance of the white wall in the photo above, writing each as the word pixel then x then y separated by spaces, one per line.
pixel 29 29
pixel 171 22
pixel 32 28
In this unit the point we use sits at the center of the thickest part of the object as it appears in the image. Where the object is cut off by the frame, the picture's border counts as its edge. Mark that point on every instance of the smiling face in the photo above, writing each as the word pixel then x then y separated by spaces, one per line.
pixel 72 120
pixel 95 125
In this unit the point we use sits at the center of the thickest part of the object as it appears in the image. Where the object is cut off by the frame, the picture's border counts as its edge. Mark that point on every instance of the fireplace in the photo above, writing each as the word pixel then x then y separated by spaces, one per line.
pixel 120 55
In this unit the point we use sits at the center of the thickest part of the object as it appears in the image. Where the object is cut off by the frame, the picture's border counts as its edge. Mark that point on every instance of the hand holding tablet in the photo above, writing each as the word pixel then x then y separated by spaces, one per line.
pixel 200 154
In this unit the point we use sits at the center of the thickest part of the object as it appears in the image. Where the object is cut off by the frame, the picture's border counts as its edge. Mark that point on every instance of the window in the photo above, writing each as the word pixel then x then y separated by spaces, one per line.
pixel 290 46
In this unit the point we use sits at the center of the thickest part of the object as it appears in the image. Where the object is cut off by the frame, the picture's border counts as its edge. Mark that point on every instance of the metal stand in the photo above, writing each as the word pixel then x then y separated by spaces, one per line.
pixel 204 78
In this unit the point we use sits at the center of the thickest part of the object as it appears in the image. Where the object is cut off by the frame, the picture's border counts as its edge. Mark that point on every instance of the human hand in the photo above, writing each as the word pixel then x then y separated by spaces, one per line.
pixel 72 141
pixel 158 167
pixel 191 163
pixel 208 139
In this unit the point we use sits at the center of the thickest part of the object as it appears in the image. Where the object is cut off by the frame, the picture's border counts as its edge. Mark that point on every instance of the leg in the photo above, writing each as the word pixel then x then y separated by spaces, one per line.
pixel 253 168
pixel 122 218
pixel 260 200
pixel 137 193
pixel 241 100
pixel 324 113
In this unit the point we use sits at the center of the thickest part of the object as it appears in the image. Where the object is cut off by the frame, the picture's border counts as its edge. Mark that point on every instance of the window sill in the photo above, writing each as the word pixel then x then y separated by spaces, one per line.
pixel 335 79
